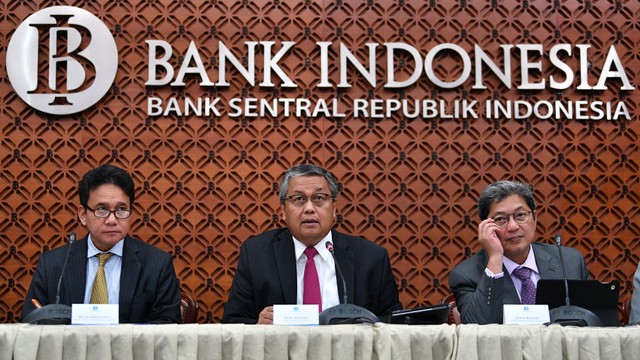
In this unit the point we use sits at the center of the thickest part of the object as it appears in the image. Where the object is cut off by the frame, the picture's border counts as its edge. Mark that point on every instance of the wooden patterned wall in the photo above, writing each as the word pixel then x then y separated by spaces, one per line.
pixel 205 184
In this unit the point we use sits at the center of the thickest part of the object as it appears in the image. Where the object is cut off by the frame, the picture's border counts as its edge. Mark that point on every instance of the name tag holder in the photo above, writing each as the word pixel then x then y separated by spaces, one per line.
pixel 295 315
pixel 525 314
pixel 95 314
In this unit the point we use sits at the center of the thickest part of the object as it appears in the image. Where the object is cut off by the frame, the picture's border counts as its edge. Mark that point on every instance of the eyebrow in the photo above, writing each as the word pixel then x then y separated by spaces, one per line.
pixel 315 191
pixel 520 208
pixel 103 204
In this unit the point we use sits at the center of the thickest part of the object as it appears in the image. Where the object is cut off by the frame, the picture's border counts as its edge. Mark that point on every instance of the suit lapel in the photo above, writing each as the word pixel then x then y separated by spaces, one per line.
pixel 510 294
pixel 130 271
pixel 76 273
pixel 345 259
pixel 285 257
pixel 548 268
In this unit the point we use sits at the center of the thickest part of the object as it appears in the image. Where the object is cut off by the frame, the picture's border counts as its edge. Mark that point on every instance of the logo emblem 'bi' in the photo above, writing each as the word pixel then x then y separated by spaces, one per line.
pixel 62 60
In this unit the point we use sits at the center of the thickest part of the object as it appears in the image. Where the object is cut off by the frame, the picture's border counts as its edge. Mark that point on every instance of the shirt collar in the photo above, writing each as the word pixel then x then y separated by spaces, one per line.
pixel 92 250
pixel 530 262
pixel 322 249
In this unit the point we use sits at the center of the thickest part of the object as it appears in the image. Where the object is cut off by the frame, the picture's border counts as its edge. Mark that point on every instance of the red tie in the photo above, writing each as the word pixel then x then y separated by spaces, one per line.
pixel 311 291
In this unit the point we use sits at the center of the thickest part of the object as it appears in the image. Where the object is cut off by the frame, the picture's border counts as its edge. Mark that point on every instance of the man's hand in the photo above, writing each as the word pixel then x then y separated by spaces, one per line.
pixel 492 244
pixel 266 316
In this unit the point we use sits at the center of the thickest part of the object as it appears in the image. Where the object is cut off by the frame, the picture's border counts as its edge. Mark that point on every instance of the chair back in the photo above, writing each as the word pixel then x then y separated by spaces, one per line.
pixel 626 312
pixel 454 314
pixel 188 309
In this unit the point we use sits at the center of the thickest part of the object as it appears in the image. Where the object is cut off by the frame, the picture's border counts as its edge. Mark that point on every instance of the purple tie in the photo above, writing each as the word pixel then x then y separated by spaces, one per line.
pixel 311 291
pixel 528 290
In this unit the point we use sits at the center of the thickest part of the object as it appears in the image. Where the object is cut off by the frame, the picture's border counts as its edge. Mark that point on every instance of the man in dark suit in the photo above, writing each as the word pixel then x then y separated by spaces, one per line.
pixel 139 277
pixel 634 316
pixel 272 266
pixel 510 264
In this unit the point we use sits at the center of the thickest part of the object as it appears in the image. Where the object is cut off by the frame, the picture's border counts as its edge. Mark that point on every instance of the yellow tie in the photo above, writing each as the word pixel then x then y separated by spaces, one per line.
pixel 99 293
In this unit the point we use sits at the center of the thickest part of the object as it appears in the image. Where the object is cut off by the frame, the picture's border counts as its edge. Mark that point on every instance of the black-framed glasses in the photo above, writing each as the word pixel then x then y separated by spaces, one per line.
pixel 105 213
pixel 298 200
pixel 520 217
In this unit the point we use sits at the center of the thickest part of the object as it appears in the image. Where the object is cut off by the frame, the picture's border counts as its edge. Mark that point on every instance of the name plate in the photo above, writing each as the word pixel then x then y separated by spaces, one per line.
pixel 295 315
pixel 525 314
pixel 95 314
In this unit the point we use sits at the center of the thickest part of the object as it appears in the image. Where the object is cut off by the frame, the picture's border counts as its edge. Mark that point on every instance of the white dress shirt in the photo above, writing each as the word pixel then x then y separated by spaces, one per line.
pixel 326 272
pixel 112 270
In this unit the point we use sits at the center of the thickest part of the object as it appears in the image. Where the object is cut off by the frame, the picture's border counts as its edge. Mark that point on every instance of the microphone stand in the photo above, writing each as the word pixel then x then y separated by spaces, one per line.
pixel 570 314
pixel 345 313
pixel 54 313
pixel 558 239
pixel 344 283
pixel 72 240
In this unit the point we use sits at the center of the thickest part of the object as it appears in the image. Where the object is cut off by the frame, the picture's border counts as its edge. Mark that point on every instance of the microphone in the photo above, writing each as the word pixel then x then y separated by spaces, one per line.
pixel 53 313
pixel 329 247
pixel 345 313
pixel 72 240
pixel 571 314
pixel 558 240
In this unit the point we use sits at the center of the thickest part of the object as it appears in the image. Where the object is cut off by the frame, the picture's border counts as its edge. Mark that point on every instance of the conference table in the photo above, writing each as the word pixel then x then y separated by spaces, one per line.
pixel 257 342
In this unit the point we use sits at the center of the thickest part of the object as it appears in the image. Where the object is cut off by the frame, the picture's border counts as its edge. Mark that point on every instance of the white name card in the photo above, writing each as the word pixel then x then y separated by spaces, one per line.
pixel 525 314
pixel 295 315
pixel 94 314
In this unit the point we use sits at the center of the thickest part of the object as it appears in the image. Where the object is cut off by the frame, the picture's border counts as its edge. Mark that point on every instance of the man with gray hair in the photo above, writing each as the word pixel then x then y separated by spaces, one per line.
pixel 292 265
pixel 508 267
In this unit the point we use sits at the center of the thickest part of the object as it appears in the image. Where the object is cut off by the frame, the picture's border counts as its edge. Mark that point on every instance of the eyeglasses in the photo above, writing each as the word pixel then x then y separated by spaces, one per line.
pixel 520 217
pixel 105 213
pixel 298 200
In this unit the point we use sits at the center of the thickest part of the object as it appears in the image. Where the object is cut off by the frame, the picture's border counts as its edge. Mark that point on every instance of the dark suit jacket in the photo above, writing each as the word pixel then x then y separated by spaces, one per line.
pixel 480 298
pixel 266 275
pixel 149 290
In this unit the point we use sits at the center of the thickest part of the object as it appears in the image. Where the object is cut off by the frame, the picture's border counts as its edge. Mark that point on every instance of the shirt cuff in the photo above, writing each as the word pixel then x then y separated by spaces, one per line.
pixel 492 275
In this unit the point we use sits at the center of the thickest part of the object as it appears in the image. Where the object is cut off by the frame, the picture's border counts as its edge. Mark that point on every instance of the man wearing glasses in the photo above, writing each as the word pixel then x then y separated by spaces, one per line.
pixel 108 266
pixel 292 265
pixel 510 263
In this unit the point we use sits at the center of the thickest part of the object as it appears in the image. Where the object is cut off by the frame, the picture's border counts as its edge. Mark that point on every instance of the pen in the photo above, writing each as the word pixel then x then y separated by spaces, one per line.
pixel 36 303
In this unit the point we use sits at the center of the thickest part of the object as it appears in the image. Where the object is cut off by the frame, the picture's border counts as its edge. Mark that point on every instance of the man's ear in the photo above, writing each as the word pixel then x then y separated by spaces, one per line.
pixel 283 215
pixel 82 215
pixel 335 212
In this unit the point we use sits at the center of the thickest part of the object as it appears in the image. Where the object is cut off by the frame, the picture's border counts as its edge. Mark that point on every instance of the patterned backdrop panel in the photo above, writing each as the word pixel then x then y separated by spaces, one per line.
pixel 409 180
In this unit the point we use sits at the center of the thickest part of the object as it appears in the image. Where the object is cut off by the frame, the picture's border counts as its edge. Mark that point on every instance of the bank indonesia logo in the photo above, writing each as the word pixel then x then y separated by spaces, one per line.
pixel 62 60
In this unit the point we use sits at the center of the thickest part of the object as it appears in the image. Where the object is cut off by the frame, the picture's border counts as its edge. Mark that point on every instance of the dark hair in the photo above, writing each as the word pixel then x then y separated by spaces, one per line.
pixel 105 174
pixel 499 190
pixel 307 170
